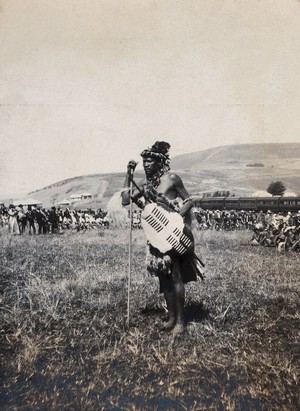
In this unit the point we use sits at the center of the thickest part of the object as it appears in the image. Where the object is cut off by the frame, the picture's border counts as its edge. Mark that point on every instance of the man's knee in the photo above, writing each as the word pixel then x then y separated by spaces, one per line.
pixel 176 274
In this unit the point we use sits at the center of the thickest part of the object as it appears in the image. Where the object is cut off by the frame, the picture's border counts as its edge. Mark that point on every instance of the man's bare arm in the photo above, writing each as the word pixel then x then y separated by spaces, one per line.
pixel 126 193
pixel 183 194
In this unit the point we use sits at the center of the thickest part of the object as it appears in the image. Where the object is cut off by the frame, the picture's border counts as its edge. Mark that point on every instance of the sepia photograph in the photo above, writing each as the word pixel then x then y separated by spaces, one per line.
pixel 149 205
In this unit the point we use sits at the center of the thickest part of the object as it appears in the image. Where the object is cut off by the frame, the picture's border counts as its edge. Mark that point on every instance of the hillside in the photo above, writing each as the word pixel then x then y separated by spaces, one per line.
pixel 100 186
pixel 284 155
pixel 244 169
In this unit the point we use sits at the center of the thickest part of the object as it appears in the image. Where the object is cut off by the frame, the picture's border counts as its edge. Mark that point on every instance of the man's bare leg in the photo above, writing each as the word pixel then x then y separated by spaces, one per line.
pixel 178 295
pixel 169 296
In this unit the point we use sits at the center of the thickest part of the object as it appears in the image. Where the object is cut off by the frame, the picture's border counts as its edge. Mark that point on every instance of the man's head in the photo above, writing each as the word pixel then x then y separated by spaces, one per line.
pixel 151 166
pixel 156 158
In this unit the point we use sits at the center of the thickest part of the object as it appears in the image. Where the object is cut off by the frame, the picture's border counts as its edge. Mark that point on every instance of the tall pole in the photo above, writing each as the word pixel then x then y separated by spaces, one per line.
pixel 130 247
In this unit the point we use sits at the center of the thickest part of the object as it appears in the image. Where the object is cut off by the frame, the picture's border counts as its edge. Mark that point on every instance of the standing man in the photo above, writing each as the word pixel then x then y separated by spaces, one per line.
pixel 165 188
pixel 30 215
pixel 22 219
pixel 53 219
pixel 13 226
pixel 42 220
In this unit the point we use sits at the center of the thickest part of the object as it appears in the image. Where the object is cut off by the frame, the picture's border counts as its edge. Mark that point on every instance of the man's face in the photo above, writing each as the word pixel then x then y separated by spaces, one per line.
pixel 150 165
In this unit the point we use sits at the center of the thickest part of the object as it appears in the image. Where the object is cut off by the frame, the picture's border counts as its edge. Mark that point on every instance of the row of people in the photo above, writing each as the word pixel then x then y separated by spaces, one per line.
pixel 281 230
pixel 225 220
pixel 37 220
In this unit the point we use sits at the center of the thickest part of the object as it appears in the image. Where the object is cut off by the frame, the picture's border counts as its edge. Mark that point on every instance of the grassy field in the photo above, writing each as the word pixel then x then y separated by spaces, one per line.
pixel 64 344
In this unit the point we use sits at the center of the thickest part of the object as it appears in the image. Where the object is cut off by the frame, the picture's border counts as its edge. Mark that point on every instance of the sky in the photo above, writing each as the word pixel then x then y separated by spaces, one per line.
pixel 86 85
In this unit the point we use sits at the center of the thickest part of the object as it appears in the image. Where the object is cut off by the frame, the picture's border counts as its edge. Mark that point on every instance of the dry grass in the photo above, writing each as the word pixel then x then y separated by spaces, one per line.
pixel 64 343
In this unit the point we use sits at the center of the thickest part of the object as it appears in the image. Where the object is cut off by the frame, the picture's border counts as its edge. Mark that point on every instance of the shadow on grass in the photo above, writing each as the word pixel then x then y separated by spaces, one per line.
pixel 195 312
pixel 152 311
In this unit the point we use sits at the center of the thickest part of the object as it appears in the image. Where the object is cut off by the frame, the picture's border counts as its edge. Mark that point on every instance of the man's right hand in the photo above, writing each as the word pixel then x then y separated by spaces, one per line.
pixel 131 166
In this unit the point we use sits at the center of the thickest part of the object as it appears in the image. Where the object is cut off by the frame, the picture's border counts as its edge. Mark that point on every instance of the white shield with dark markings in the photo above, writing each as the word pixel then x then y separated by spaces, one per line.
pixel 164 229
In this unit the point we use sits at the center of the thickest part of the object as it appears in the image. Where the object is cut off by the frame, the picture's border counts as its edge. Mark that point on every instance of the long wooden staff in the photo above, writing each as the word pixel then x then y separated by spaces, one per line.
pixel 130 246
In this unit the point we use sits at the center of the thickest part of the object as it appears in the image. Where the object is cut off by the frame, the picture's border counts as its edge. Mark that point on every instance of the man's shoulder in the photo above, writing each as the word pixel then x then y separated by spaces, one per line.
pixel 172 177
pixel 143 180
pixel 141 183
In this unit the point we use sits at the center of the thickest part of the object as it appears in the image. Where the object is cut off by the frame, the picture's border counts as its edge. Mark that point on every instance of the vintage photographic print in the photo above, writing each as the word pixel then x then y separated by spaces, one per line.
pixel 149 204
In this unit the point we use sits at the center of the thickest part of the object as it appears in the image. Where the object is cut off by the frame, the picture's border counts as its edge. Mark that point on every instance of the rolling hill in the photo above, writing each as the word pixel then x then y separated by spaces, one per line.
pixel 243 169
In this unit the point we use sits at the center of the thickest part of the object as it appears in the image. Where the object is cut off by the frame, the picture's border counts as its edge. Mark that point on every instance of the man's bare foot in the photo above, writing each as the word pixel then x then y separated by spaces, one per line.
pixel 168 324
pixel 178 329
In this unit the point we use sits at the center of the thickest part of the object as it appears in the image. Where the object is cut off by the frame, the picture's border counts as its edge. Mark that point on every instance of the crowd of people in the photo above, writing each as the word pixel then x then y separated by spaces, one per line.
pixel 281 230
pixel 225 220
pixel 37 220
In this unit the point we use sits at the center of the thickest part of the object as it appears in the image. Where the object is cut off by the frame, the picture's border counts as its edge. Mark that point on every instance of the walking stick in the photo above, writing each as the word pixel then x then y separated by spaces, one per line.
pixel 130 247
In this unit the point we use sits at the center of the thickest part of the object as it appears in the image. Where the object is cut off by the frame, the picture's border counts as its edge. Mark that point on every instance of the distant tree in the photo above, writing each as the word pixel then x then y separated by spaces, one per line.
pixel 276 188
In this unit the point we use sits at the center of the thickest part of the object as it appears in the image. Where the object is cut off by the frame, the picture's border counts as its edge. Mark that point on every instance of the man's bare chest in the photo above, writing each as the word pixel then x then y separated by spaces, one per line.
pixel 166 187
